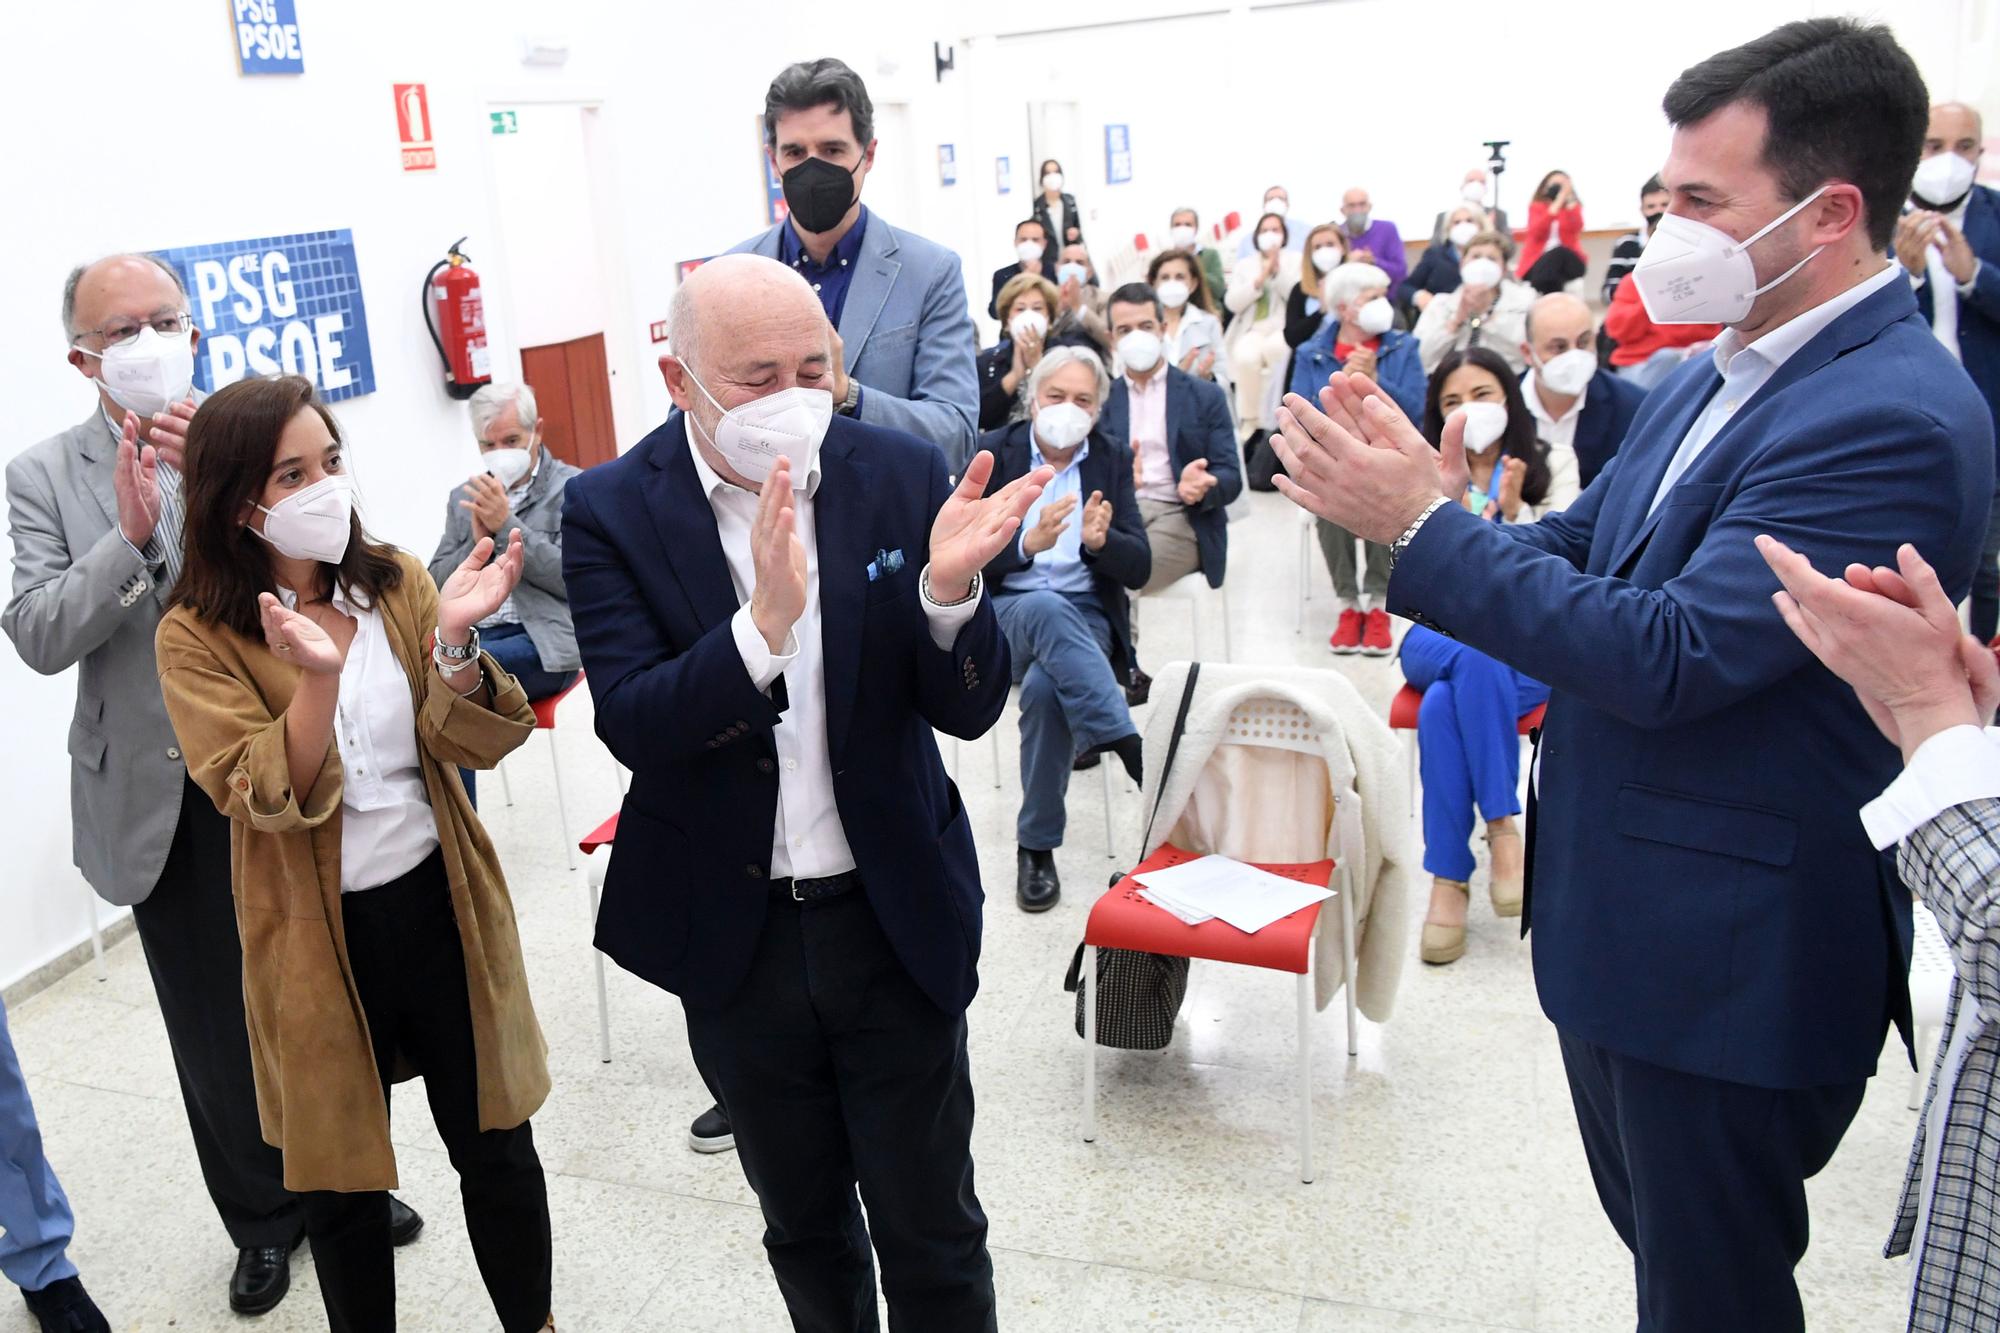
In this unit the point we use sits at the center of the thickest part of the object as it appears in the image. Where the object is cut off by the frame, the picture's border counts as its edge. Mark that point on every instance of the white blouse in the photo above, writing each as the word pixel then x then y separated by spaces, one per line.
pixel 386 824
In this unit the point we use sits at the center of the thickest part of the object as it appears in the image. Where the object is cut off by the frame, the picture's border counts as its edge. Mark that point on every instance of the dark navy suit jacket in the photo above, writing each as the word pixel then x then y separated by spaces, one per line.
pixel 1979 313
pixel 1703 895
pixel 1609 405
pixel 688 884
pixel 1198 426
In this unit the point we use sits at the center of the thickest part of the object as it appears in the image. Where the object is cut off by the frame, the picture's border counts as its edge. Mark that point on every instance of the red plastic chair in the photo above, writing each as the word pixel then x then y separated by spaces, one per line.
pixel 545 720
pixel 1403 717
pixel 601 836
pixel 1121 919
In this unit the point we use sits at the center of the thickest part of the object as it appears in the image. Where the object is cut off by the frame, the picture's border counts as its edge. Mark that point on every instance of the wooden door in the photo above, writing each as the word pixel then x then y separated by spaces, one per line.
pixel 572 385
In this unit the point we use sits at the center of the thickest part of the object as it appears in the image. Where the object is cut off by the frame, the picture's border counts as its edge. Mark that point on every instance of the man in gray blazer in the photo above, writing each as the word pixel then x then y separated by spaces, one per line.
pixel 518 488
pixel 95 517
pixel 904 342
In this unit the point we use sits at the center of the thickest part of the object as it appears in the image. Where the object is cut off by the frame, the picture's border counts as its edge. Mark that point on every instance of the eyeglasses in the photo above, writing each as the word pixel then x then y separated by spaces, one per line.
pixel 168 324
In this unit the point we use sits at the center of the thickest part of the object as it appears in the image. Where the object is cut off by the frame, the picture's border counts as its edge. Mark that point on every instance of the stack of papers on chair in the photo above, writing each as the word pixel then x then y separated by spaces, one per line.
pixel 1219 886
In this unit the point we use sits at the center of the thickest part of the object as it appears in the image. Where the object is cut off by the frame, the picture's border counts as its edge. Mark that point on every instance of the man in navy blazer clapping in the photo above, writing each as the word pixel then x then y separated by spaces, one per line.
pixel 1718 944
pixel 775 608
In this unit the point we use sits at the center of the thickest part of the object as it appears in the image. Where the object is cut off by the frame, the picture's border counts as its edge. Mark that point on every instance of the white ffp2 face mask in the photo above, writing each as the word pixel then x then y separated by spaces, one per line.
pixel 1027 251
pixel 1485 423
pixel 1692 273
pixel 753 436
pixel 1376 316
pixel 1942 179
pixel 1267 241
pixel 145 375
pixel 1463 232
pixel 1062 425
pixel 1326 258
pixel 1480 273
pixel 312 524
pixel 1568 372
pixel 1027 324
pixel 509 465
pixel 1183 238
pixel 1139 350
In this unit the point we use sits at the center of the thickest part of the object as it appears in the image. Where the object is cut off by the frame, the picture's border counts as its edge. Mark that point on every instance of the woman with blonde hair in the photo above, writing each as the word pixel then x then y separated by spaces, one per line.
pixel 1305 309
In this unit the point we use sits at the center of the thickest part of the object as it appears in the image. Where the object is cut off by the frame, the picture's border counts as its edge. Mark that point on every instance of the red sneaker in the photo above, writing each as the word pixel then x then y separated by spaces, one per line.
pixel 1347 634
pixel 1375 640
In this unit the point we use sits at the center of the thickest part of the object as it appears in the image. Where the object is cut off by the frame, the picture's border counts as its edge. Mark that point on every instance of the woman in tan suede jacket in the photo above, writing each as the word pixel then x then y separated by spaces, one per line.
pixel 324 695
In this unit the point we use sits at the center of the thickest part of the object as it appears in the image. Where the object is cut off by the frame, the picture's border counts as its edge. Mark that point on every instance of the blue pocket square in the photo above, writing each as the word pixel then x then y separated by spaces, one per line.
pixel 884 564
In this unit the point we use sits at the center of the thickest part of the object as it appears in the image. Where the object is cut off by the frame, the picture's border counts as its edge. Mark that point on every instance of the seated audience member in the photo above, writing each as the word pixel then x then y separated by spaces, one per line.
pixel 1186 468
pixel 1653 201
pixel 1030 243
pixel 1055 208
pixel 1079 299
pixel 1894 636
pixel 1277 203
pixel 1184 233
pixel 1326 250
pixel 1552 246
pixel 1489 309
pixel 1373 240
pixel 1581 410
pixel 519 488
pixel 1059 590
pixel 1025 304
pixel 1647 352
pixel 1468 740
pixel 1259 290
pixel 1437 268
pixel 1193 331
pixel 325 691
pixel 1357 337
pixel 35 1219
pixel 1474 189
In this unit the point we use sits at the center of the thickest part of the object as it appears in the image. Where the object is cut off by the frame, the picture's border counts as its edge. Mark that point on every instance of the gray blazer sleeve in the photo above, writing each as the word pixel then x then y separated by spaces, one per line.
pixel 65 604
pixel 456 544
pixel 943 405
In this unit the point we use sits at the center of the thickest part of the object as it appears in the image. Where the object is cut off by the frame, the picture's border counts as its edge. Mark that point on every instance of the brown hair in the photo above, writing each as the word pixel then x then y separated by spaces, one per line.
pixel 1309 274
pixel 1496 238
pixel 1018 286
pixel 230 445
pixel 1199 293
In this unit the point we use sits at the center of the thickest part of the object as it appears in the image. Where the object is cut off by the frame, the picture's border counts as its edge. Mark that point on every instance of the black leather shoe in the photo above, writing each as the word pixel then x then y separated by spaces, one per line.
pixel 405 1222
pixel 263 1276
pixel 65 1307
pixel 1036 884
pixel 711 1132
pixel 1138 689
pixel 1089 759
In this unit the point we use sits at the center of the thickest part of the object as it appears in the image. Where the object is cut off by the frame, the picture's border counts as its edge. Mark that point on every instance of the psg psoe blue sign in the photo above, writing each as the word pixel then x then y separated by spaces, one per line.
pixel 279 305
pixel 267 37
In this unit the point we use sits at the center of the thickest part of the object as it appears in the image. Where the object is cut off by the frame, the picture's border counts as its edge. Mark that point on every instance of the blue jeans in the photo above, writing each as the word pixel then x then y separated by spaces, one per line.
pixel 35 1220
pixel 514 650
pixel 1070 700
pixel 1468 742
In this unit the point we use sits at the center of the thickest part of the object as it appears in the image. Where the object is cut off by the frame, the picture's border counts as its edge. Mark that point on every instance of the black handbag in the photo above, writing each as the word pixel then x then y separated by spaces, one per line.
pixel 1139 994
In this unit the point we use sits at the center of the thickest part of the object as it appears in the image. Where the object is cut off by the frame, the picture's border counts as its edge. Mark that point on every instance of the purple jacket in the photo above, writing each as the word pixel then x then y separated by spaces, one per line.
pixel 1386 243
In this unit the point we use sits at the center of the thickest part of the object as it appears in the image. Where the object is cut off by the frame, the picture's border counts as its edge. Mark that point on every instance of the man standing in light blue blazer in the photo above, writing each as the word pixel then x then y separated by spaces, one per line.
pixel 903 340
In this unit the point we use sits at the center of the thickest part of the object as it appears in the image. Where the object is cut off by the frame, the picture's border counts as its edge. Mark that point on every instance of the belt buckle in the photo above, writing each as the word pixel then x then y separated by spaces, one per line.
pixel 797 897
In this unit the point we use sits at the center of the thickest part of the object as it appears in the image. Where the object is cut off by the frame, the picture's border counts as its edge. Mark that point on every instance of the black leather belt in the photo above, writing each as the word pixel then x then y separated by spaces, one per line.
pixel 809 891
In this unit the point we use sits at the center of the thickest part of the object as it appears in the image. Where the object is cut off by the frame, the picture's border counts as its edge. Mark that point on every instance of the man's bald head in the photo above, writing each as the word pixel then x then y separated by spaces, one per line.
pixel 1955 128
pixel 1559 323
pixel 117 285
pixel 738 295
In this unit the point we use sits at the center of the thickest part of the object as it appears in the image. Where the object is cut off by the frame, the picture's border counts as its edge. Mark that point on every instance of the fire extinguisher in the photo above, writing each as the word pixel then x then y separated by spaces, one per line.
pixel 456 318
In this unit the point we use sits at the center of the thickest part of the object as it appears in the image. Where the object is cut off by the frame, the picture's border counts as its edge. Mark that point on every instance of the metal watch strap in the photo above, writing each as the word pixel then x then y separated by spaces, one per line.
pixel 972 590
pixel 458 652
pixel 853 399
pixel 1396 547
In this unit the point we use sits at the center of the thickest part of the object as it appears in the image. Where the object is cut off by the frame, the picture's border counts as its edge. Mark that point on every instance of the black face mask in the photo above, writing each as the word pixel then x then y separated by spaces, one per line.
pixel 818 194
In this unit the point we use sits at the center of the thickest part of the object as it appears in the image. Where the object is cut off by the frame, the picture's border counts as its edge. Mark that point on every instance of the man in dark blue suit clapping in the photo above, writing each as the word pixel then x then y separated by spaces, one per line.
pixel 1718 944
pixel 776 607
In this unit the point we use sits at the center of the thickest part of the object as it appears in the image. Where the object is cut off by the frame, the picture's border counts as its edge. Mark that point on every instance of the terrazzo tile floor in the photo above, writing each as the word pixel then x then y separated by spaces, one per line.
pixel 1451 1194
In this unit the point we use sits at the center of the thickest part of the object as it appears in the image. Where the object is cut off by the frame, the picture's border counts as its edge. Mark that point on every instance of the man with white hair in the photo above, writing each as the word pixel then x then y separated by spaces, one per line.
pixel 1060 591
pixel 777 608
pixel 1473 189
pixel 517 487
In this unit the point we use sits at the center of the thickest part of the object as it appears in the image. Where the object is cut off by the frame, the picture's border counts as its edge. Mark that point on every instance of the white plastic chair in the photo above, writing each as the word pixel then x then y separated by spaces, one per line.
pixel 1281 725
pixel 1193 589
pixel 1931 972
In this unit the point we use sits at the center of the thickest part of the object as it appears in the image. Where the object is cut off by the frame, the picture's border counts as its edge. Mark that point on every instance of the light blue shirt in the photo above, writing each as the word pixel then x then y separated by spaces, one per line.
pixel 1061 567
pixel 1746 370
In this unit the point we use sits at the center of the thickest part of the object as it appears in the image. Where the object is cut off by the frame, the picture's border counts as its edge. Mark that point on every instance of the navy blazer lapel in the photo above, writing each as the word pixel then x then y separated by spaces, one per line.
pixel 875 273
pixel 1638 517
pixel 685 524
pixel 844 542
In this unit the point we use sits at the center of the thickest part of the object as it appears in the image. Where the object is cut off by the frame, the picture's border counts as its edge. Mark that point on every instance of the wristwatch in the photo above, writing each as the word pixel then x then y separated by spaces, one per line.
pixel 1396 547
pixel 457 653
pixel 853 399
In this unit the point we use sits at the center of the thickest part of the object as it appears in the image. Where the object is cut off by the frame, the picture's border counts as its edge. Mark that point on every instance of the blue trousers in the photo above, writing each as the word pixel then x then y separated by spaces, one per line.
pixel 35 1220
pixel 1070 698
pixel 513 649
pixel 1468 742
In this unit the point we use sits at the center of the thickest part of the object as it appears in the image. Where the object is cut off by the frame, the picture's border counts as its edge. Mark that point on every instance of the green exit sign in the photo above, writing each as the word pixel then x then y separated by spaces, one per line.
pixel 504 122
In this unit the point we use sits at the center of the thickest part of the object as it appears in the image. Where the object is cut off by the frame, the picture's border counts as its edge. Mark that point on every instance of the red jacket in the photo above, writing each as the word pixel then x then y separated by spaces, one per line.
pixel 1535 239
pixel 1637 336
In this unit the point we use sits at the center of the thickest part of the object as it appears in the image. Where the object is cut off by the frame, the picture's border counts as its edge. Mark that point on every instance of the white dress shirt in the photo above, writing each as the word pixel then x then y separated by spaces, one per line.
pixel 1946 291
pixel 1558 431
pixel 1747 369
pixel 807 840
pixel 1146 415
pixel 386 824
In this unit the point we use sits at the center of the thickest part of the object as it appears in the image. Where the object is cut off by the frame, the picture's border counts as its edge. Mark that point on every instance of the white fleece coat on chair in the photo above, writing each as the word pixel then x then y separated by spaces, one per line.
pixel 1262 804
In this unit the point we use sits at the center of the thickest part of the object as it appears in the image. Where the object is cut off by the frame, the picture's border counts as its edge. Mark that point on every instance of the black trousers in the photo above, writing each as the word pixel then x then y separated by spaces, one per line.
pixel 187 928
pixel 1705 1182
pixel 402 942
pixel 835 1069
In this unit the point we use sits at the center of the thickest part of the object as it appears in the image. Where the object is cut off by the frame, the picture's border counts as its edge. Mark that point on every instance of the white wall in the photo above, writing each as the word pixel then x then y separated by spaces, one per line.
pixel 128 127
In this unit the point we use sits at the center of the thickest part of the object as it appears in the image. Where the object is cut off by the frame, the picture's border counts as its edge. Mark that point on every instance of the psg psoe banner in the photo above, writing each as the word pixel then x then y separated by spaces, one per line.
pixel 279 305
